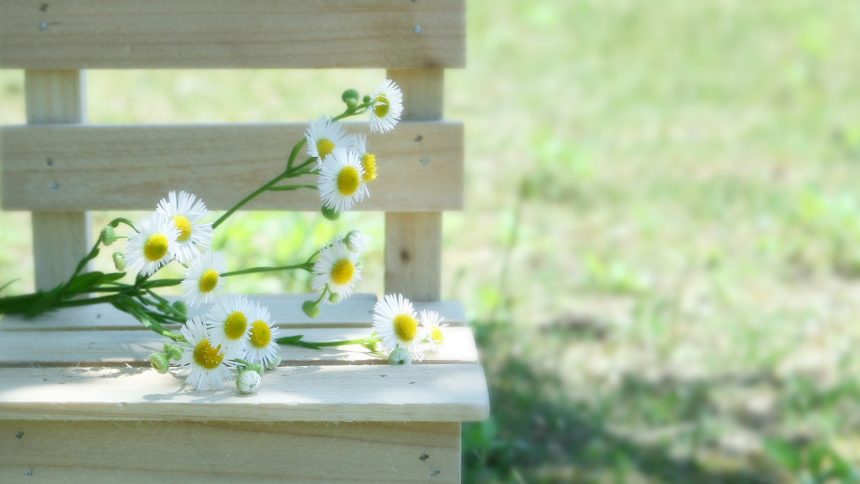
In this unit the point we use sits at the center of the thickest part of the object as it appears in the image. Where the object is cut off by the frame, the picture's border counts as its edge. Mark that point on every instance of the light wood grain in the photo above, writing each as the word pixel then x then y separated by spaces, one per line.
pixel 59 239
pixel 131 167
pixel 285 309
pixel 413 241
pixel 130 452
pixel 413 393
pixel 122 347
pixel 232 34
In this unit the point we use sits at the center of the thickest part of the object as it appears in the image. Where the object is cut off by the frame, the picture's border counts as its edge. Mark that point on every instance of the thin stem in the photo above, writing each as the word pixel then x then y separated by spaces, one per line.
pixel 288 188
pixel 86 302
pixel 253 270
pixel 298 341
pixel 247 199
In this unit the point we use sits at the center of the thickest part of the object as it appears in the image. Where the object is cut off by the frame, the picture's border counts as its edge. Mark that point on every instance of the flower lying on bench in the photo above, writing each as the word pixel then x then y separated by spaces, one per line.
pixel 237 337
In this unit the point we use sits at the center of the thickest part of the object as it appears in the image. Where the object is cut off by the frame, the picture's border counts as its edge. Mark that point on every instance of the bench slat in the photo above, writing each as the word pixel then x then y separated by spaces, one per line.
pixel 86 167
pixel 413 393
pixel 285 309
pixel 96 348
pixel 87 34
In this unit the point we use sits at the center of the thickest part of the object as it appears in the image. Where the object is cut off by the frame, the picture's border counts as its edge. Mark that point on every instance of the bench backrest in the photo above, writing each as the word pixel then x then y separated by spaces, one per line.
pixel 59 167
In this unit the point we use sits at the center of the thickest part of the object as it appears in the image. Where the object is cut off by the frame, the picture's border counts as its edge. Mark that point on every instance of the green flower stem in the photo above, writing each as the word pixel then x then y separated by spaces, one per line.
pixel 247 199
pixel 288 188
pixel 300 342
pixel 86 302
pixel 307 266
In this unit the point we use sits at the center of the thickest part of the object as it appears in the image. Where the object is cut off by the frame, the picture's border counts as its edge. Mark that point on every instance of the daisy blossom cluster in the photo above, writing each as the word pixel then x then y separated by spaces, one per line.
pixel 406 335
pixel 230 337
pixel 345 167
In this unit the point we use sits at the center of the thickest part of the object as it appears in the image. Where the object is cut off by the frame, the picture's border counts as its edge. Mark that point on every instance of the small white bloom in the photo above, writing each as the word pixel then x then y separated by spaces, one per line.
pixel 203 278
pixel 337 267
pixel 324 136
pixel 248 381
pixel 356 241
pixel 368 160
pixel 208 365
pixel 187 212
pixel 229 322
pixel 395 321
pixel 152 246
pixel 262 347
pixel 387 107
pixel 432 323
pixel 340 180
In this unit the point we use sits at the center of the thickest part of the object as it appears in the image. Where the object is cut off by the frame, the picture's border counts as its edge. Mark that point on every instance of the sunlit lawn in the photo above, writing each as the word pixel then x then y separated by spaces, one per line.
pixel 660 248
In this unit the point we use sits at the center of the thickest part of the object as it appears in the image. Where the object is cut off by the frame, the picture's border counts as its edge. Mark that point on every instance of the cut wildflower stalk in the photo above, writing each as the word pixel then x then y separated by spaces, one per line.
pixel 298 340
pixel 306 266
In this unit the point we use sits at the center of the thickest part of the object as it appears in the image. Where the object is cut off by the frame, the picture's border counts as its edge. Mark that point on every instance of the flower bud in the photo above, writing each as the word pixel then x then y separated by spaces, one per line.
pixel 273 363
pixel 119 261
pixel 330 213
pixel 400 356
pixel 108 235
pixel 172 351
pixel 311 308
pixel 160 362
pixel 356 241
pixel 366 99
pixel 334 298
pixel 350 97
pixel 248 381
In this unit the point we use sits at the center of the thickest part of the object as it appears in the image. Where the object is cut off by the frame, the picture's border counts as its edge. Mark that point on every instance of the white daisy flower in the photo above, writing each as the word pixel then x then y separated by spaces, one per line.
pixel 203 278
pixel 432 323
pixel 152 246
pixel 324 136
pixel 208 365
pixel 186 211
pixel 394 320
pixel 356 241
pixel 337 267
pixel 368 160
pixel 387 107
pixel 229 321
pixel 340 181
pixel 262 347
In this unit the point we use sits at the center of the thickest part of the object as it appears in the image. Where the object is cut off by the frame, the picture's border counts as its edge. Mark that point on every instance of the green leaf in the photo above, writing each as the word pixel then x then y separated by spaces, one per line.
pixel 113 276
pixel 4 286
pixel 83 282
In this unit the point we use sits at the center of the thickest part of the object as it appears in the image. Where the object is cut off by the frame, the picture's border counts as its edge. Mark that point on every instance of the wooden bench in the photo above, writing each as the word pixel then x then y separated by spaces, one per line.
pixel 78 401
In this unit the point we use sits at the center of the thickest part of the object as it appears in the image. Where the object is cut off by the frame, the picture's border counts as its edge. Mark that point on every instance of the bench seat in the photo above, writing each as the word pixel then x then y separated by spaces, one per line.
pixel 79 401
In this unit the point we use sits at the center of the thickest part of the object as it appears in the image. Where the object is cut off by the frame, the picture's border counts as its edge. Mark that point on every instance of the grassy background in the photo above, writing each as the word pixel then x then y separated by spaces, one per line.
pixel 659 251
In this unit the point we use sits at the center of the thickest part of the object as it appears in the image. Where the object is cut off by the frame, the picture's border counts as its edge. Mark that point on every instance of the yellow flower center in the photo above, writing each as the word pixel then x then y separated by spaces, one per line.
pixel 261 334
pixel 184 226
pixel 235 325
pixel 342 272
pixel 437 336
pixel 208 281
pixel 207 356
pixel 405 327
pixel 155 247
pixel 380 106
pixel 368 162
pixel 325 147
pixel 348 181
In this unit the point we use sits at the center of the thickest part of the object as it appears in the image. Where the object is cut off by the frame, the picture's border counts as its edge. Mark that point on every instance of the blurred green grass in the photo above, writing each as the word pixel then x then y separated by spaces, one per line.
pixel 662 198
